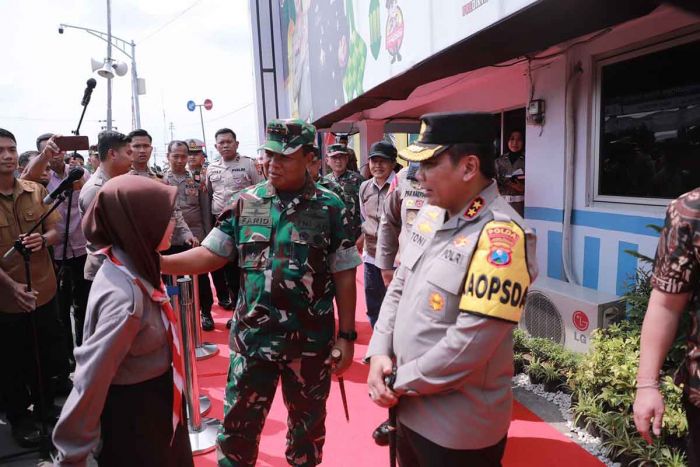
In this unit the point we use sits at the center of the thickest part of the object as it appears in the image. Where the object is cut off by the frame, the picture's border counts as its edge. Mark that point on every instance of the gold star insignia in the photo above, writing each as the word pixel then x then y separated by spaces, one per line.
pixel 437 302
pixel 477 203
pixel 471 212
pixel 461 241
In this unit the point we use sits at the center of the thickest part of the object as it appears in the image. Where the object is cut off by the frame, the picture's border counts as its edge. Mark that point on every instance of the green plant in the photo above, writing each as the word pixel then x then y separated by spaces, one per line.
pixel 535 370
pixel 520 339
pixel 586 409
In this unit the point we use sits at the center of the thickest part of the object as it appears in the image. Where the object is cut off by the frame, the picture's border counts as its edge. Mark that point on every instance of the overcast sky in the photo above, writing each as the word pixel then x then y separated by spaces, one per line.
pixel 185 49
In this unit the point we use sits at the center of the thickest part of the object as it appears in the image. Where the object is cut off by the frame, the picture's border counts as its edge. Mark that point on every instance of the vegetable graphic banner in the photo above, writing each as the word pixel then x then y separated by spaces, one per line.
pixel 335 50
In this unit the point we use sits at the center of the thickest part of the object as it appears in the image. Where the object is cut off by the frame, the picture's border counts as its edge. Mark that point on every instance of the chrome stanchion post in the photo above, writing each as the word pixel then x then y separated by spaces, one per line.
pixel 203 350
pixel 202 431
pixel 204 402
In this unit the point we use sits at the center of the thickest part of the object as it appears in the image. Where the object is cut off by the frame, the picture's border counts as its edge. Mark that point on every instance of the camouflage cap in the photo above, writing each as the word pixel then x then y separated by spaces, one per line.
pixel 194 145
pixel 337 149
pixel 287 136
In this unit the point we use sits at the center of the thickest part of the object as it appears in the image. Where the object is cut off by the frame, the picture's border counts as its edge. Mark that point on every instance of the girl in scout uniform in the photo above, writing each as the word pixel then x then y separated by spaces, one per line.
pixel 129 376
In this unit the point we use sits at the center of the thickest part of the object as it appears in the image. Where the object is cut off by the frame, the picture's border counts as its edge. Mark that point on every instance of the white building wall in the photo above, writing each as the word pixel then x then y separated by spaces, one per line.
pixel 602 231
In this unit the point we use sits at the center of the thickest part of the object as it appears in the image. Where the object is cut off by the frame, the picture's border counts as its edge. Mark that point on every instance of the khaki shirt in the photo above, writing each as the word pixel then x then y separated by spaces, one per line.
pixel 18 214
pixel 194 203
pixel 454 359
pixel 372 198
pixel 87 196
pixel 225 178
pixel 404 200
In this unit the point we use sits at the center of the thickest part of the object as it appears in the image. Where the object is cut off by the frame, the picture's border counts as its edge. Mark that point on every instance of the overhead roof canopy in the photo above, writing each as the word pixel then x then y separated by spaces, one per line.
pixel 537 27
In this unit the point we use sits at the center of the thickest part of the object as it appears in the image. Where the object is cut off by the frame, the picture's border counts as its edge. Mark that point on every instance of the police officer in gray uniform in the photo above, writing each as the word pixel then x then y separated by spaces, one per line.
pixel 224 178
pixel 405 198
pixel 194 204
pixel 447 320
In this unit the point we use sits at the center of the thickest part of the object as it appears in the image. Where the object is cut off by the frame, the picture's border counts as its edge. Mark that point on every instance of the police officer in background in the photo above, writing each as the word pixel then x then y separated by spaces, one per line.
pixel 448 317
pixel 197 165
pixel 290 238
pixel 405 198
pixel 194 204
pixel 141 150
pixel 225 177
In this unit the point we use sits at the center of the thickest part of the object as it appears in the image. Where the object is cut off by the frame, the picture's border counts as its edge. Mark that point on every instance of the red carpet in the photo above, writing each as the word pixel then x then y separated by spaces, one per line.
pixel 531 442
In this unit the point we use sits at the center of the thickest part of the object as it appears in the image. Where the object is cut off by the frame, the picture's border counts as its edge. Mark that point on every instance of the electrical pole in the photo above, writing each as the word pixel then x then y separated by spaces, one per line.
pixel 172 127
pixel 109 61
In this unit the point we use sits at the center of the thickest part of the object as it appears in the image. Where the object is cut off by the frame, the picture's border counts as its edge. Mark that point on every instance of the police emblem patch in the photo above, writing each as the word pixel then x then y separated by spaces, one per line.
pixel 502 240
pixel 437 302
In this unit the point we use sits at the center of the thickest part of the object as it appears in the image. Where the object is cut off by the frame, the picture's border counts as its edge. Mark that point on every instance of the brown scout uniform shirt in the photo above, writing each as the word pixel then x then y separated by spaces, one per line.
pixel 18 214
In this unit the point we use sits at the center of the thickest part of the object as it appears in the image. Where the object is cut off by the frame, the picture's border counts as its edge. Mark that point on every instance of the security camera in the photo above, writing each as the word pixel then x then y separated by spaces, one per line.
pixel 60 30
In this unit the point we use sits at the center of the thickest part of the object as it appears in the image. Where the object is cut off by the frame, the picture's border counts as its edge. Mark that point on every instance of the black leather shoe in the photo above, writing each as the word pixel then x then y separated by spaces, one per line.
pixel 26 435
pixel 226 304
pixel 207 322
pixel 381 433
pixel 229 323
pixel 63 386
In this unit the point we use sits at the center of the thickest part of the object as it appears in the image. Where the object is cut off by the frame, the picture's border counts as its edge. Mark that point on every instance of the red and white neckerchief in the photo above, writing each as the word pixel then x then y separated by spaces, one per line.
pixel 171 327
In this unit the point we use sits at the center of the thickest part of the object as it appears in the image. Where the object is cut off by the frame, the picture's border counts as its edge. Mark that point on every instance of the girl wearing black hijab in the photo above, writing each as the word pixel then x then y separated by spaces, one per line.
pixel 128 377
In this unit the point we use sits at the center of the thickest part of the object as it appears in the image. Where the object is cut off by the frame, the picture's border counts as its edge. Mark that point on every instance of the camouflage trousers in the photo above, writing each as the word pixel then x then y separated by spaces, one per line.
pixel 249 393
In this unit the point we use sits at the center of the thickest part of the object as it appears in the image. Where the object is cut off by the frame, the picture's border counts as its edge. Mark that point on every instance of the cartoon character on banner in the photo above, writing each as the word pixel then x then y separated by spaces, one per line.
pixel 394 30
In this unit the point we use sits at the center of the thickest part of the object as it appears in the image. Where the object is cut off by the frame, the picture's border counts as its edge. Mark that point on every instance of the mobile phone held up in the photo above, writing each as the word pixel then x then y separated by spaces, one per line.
pixel 72 143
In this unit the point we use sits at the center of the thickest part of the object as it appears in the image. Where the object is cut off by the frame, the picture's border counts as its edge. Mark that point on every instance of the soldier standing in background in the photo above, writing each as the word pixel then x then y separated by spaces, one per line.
pixel 315 172
pixel 350 181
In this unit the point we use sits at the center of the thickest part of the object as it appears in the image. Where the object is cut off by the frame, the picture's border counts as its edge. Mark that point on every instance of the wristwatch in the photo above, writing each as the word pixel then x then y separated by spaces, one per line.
pixel 348 336
pixel 44 241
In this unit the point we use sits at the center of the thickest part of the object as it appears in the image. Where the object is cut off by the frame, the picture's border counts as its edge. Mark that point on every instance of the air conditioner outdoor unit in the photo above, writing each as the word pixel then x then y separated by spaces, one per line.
pixel 567 313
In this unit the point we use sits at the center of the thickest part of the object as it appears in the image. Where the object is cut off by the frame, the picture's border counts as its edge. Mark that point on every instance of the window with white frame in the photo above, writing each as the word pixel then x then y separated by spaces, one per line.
pixel 649 124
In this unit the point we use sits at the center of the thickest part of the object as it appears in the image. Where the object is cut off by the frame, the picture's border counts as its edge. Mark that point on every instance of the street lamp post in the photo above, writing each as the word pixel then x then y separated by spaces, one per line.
pixel 121 45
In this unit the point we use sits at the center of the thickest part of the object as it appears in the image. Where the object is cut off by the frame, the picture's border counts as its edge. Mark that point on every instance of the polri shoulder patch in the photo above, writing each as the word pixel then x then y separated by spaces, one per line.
pixel 498 277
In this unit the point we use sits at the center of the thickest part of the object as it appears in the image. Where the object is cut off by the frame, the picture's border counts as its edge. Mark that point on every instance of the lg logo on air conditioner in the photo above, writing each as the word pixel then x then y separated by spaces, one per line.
pixel 581 323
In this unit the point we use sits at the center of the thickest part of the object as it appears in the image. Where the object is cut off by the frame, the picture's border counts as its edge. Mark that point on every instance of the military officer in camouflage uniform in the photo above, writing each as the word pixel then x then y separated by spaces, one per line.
pixel 194 205
pixel 224 178
pixel 448 317
pixel 350 181
pixel 315 171
pixel 290 238
pixel 401 207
